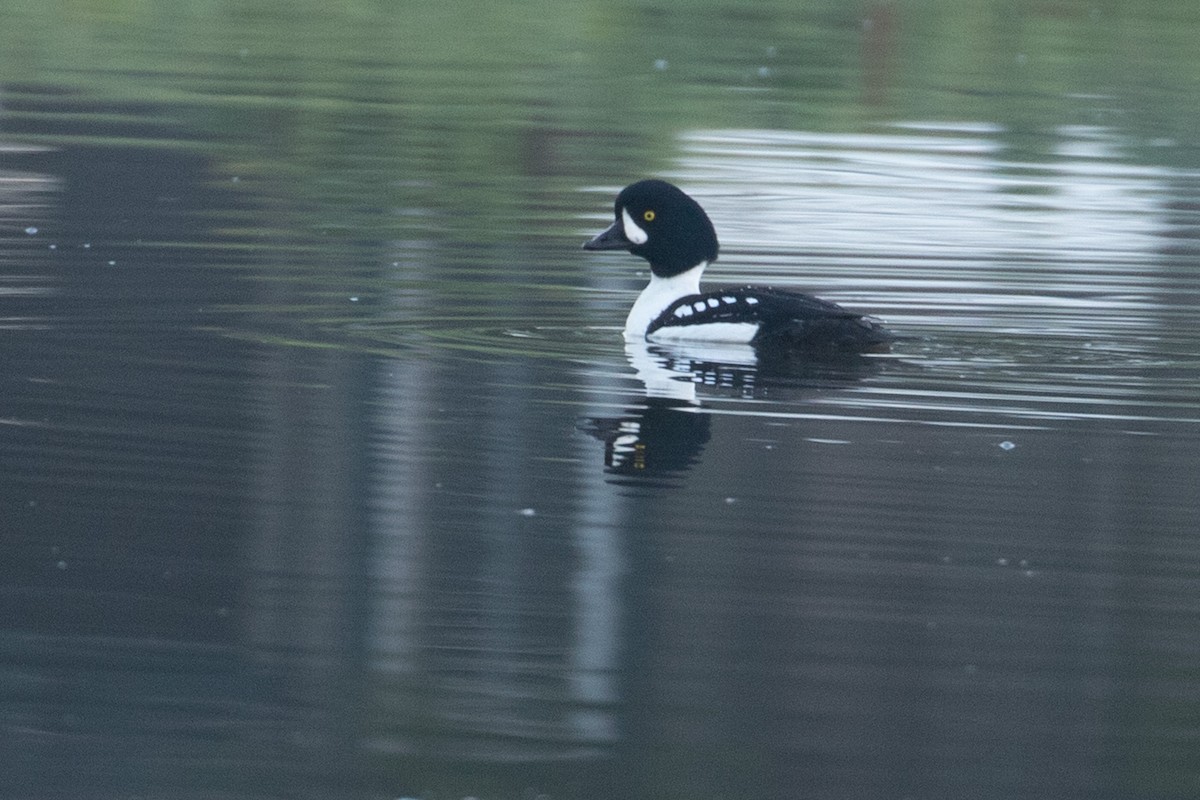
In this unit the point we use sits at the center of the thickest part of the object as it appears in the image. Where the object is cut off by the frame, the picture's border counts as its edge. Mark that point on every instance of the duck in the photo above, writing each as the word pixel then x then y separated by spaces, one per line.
pixel 659 222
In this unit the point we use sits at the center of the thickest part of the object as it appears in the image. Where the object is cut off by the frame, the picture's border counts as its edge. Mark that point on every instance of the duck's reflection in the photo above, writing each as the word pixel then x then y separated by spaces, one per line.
pixel 664 430
pixel 657 436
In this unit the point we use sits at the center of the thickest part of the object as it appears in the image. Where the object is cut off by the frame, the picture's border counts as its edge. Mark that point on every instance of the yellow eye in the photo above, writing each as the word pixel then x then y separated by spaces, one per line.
pixel 648 215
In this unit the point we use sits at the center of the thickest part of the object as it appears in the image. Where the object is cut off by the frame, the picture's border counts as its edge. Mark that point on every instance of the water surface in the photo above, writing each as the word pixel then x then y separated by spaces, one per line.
pixel 327 472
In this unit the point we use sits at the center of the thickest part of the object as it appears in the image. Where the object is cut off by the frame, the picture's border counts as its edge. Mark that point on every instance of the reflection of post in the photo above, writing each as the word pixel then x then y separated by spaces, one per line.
pixel 493 623
pixel 878 44
pixel 594 655
pixel 304 590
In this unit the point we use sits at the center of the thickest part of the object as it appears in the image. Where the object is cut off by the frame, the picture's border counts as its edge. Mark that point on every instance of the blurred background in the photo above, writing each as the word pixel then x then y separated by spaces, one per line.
pixel 325 472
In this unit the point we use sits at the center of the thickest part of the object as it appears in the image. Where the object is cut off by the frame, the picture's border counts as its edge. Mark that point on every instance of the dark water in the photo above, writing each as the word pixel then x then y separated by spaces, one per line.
pixel 327 473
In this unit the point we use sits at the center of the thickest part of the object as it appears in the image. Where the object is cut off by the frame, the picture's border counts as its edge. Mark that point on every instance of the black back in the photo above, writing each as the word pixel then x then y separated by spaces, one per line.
pixel 785 319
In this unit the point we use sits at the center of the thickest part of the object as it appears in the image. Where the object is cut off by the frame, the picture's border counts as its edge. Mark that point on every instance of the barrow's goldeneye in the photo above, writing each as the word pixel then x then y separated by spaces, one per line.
pixel 657 221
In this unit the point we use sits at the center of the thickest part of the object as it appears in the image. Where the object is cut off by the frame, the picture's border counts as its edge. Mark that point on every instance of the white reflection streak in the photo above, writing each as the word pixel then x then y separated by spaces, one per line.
pixel 934 423
pixel 398 502
pixel 904 192
pixel 601 513
pixel 593 659
pixel 395 565
pixel 28 201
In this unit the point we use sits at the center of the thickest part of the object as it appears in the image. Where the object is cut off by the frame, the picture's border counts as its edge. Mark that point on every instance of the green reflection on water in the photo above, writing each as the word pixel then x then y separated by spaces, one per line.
pixel 459 133
pixel 638 69
pixel 475 124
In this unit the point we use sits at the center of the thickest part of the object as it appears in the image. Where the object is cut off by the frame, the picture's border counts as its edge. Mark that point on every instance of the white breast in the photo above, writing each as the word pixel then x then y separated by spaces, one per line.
pixel 657 296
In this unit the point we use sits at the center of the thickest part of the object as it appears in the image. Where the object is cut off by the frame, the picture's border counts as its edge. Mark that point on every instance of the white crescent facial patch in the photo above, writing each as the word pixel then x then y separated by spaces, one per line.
pixel 632 232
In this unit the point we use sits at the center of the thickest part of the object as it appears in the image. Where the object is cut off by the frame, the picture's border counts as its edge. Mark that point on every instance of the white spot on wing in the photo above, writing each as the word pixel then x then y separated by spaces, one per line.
pixel 632 232
pixel 698 305
pixel 750 301
pixel 713 302
pixel 729 300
